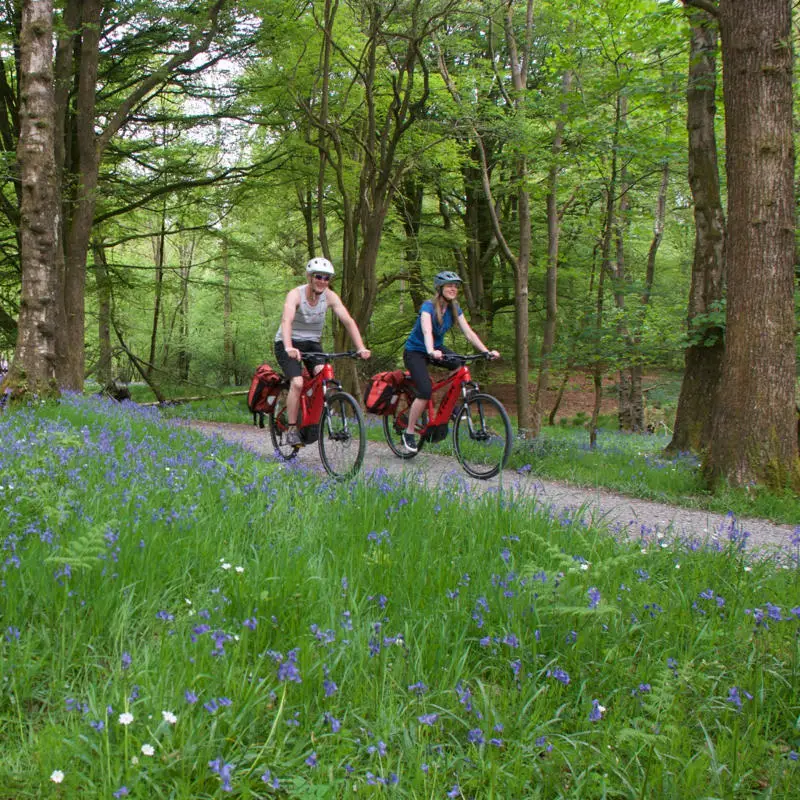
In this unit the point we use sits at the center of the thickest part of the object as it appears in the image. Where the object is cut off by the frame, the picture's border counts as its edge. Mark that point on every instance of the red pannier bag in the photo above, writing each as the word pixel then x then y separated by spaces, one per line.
pixel 264 389
pixel 380 393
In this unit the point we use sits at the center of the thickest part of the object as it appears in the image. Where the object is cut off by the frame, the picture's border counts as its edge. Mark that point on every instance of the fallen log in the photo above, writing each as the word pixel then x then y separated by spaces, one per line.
pixel 181 400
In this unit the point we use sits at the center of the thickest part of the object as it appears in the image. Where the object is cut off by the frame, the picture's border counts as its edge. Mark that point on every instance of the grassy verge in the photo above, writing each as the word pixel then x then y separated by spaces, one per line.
pixel 181 619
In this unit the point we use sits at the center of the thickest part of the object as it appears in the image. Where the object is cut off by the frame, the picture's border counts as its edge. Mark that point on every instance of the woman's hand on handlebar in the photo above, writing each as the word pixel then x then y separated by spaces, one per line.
pixel 492 354
pixel 363 353
pixel 436 355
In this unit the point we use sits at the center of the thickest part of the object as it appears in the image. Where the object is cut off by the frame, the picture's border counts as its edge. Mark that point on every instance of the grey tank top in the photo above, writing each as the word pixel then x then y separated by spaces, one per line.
pixel 308 320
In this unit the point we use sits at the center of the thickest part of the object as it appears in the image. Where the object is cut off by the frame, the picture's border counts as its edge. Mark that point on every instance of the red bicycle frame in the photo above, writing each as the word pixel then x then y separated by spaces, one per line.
pixel 312 395
pixel 459 382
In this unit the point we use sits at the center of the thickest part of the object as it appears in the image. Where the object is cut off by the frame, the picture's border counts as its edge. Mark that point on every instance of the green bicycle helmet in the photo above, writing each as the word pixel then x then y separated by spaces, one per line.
pixel 441 278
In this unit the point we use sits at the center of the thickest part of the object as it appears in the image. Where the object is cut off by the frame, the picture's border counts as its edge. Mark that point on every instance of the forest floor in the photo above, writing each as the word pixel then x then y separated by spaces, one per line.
pixel 578 397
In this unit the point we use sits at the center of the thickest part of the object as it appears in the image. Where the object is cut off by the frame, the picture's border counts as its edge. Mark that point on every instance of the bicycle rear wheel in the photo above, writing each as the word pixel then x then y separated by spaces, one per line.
pixel 279 427
pixel 482 436
pixel 342 435
pixel 396 422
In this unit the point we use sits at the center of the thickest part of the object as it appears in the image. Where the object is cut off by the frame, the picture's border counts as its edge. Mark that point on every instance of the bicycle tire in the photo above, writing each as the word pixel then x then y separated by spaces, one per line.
pixel 279 426
pixel 395 423
pixel 342 435
pixel 482 436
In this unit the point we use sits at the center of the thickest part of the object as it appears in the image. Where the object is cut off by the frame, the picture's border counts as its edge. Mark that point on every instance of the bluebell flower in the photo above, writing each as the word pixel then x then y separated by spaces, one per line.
pixel 455 791
pixel 596 714
pixel 335 724
pixel 475 736
pixel 559 674
pixel 271 780
pixel 594 597
pixel 428 719
pixel 311 761
pixel 735 698
pixel 190 696
pixel 219 767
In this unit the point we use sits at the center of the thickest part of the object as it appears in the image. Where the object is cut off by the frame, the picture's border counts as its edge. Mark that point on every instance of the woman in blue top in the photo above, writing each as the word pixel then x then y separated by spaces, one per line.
pixel 424 345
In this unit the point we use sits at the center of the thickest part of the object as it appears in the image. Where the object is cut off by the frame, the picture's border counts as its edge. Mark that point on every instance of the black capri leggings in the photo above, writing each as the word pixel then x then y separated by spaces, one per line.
pixel 417 364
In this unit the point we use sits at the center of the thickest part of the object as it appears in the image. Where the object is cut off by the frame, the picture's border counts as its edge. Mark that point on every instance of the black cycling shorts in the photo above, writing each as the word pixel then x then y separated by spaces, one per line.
pixel 294 369
pixel 417 364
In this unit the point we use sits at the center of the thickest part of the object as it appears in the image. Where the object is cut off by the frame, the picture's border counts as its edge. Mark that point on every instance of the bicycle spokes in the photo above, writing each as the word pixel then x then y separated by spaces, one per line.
pixel 482 436
pixel 343 438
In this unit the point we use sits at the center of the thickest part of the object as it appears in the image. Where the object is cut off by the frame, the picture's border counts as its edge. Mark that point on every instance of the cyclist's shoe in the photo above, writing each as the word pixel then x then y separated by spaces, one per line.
pixel 292 438
pixel 409 442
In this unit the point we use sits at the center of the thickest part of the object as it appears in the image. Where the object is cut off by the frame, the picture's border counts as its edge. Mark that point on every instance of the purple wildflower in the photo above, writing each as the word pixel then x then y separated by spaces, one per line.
pixel 559 674
pixel 735 698
pixel 596 714
pixel 190 696
pixel 219 767
pixel 311 761
pixel 475 736
pixel 288 671
pixel 428 719
pixel 594 597
pixel 271 780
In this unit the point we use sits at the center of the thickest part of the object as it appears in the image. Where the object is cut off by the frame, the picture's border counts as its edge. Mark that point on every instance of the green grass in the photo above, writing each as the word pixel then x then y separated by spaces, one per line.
pixel 368 638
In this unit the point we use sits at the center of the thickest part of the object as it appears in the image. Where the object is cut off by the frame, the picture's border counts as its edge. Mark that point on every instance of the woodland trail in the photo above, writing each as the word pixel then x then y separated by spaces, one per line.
pixel 630 516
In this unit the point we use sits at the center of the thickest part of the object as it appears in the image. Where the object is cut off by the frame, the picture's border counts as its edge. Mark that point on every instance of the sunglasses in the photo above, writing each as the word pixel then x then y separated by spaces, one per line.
pixel 318 277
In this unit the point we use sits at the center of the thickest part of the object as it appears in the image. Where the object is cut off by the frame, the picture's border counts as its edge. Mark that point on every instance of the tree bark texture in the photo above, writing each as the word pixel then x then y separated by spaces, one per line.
pixel 34 366
pixel 753 435
pixel 103 283
pixel 551 279
pixel 703 357
pixel 78 229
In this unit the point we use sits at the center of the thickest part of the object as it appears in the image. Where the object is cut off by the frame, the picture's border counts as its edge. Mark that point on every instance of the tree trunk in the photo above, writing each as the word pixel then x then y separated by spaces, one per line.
pixel 103 281
pixel 184 354
pixel 551 280
pixel 33 369
pixel 703 357
pixel 753 436
pixel 228 370
pixel 79 228
pixel 159 248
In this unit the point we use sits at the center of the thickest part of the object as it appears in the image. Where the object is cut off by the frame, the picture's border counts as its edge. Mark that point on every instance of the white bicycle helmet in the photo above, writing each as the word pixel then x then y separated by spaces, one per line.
pixel 320 265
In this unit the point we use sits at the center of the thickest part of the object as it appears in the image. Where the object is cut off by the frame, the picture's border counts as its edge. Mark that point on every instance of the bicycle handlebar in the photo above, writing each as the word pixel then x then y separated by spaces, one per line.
pixel 330 356
pixel 464 358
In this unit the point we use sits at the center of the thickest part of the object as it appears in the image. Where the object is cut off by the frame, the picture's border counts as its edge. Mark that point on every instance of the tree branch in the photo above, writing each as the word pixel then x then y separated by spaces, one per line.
pixel 704 5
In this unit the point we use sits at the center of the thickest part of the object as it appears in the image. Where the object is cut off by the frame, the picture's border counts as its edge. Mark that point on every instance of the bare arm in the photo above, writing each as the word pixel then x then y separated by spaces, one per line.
pixel 426 323
pixel 473 337
pixel 337 306
pixel 287 318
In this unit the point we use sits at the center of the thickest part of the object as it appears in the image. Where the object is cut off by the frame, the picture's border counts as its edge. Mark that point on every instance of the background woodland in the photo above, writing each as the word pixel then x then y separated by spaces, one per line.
pixel 613 180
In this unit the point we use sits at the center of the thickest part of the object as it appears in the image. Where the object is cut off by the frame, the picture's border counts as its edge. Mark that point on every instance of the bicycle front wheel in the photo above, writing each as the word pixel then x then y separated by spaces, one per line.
pixel 482 436
pixel 342 435
pixel 279 427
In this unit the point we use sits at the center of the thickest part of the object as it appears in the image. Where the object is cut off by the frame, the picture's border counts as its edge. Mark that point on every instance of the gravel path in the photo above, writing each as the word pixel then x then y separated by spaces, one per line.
pixel 615 510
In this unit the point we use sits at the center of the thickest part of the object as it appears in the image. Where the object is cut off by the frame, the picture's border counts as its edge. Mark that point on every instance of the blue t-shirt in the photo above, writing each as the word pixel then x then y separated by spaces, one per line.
pixel 416 341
